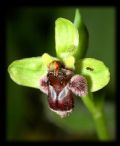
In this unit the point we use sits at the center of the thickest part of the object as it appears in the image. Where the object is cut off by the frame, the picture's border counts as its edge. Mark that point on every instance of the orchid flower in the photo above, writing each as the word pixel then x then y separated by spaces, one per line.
pixel 66 74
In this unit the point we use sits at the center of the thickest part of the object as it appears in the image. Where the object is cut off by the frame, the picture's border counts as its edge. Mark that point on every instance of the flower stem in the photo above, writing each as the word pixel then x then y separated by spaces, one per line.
pixel 101 127
pixel 98 116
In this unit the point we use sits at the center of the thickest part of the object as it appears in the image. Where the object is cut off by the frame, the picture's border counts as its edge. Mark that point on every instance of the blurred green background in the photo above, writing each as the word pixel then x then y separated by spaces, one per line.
pixel 29 33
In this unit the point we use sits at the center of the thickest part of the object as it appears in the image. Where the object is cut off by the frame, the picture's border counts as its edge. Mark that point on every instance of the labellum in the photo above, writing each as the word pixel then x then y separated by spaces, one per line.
pixel 60 84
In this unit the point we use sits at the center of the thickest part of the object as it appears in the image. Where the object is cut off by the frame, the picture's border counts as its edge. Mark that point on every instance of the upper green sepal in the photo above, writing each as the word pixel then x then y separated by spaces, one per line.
pixel 27 72
pixel 71 39
pixel 66 38
pixel 96 72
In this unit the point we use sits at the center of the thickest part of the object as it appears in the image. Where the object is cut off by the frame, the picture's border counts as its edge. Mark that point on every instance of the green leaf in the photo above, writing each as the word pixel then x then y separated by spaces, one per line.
pixel 95 71
pixel 83 34
pixel 27 72
pixel 66 38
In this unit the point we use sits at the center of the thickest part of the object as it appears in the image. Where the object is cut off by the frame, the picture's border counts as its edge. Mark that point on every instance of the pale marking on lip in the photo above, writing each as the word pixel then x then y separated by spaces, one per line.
pixel 62 114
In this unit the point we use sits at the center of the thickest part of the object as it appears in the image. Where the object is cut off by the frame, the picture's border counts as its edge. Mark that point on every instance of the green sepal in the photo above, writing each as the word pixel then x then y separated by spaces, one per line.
pixel 28 71
pixel 66 38
pixel 71 39
pixel 96 72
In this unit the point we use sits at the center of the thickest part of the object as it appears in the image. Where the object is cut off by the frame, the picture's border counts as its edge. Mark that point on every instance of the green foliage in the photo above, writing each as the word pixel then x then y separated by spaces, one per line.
pixel 83 34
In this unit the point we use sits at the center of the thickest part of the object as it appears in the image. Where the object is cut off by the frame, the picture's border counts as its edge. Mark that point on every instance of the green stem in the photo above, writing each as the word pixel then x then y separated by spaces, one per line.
pixel 98 117
pixel 101 127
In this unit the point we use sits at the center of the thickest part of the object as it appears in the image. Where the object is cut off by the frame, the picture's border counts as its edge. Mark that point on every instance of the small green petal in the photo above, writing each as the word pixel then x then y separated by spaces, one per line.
pixel 95 71
pixel 27 72
pixel 46 58
pixel 66 38
pixel 69 62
